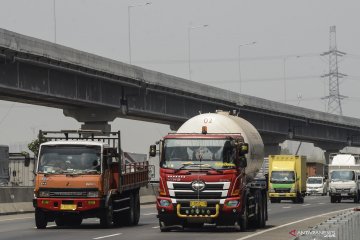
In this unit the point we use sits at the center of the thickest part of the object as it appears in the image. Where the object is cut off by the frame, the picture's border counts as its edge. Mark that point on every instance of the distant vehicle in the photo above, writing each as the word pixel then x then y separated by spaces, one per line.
pixel 316 185
pixel 82 174
pixel 207 172
pixel 344 177
pixel 287 178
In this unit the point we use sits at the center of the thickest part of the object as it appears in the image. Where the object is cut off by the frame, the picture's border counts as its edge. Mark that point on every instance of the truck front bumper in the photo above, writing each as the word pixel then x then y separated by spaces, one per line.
pixel 69 205
pixel 282 195
pixel 221 212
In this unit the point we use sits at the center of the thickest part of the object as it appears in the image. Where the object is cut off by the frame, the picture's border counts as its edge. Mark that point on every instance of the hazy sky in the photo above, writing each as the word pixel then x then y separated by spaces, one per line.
pixel 282 29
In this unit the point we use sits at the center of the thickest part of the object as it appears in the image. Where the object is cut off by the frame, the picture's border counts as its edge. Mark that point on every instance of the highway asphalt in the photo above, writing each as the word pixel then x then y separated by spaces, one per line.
pixel 283 218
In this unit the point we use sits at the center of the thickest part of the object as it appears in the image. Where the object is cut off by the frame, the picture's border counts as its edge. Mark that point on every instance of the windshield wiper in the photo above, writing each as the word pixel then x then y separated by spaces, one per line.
pixel 184 165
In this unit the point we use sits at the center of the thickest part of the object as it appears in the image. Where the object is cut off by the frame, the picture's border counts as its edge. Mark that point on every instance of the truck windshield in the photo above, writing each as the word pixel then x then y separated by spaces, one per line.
pixel 198 153
pixel 314 181
pixel 75 159
pixel 342 176
pixel 282 177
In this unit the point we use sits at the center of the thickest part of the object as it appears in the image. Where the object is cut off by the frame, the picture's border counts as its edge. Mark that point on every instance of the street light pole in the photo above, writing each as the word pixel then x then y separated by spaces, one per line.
pixel 129 25
pixel 189 45
pixel 241 45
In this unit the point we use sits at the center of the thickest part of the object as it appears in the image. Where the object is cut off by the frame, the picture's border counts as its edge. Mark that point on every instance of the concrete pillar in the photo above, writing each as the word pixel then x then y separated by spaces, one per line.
pixel 93 118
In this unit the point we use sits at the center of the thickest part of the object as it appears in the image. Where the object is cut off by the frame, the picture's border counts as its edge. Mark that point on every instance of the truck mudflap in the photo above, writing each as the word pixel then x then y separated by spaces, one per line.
pixel 203 212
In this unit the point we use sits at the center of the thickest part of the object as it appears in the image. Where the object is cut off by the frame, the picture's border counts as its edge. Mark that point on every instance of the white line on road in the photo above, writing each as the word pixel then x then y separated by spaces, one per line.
pixel 113 235
pixel 287 224
pixel 287 207
pixel 321 203
pixel 304 205
pixel 156 227
pixel 147 214
pixel 12 219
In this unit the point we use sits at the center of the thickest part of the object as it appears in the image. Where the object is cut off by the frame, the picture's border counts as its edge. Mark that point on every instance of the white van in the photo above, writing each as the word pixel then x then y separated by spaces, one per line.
pixel 316 185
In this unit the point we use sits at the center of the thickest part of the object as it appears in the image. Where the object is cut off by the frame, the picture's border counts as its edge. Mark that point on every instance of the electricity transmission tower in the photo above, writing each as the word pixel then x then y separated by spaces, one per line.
pixel 334 98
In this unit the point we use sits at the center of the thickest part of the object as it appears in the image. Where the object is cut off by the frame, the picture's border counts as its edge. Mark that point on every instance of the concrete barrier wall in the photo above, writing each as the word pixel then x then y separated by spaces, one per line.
pixel 344 226
pixel 16 194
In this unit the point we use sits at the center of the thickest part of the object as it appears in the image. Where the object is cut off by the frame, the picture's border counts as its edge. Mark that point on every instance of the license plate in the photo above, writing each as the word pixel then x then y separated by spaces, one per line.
pixel 198 204
pixel 344 194
pixel 68 207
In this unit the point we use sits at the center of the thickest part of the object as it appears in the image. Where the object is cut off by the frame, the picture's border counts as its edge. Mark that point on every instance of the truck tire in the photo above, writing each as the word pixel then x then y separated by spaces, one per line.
pixel 332 199
pixel 136 208
pixel 244 219
pixel 40 219
pixel 356 198
pixel 164 226
pixel 128 218
pixel 106 216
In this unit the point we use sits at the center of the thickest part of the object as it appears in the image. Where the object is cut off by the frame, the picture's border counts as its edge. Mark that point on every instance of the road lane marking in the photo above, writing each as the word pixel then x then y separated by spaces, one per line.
pixel 321 203
pixel 287 207
pixel 287 224
pixel 156 227
pixel 12 219
pixel 107 236
pixel 147 214
pixel 304 205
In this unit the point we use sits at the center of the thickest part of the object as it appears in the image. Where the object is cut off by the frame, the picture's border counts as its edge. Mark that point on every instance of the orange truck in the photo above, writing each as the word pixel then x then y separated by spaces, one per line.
pixel 81 174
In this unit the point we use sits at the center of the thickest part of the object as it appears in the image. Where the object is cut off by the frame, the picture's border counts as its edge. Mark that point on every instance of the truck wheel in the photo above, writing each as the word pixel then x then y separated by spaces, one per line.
pixel 332 199
pixel 274 200
pixel 163 226
pixel 40 219
pixel 339 200
pixel 260 216
pixel 107 216
pixel 356 198
pixel 129 215
pixel 244 220
pixel 136 208
pixel 75 221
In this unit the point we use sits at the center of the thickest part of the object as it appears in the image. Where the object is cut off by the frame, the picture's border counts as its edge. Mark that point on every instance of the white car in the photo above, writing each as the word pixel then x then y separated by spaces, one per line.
pixel 316 185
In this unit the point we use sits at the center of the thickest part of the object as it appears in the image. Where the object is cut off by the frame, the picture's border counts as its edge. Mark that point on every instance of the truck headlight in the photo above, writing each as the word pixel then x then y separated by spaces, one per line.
pixel 93 194
pixel 164 203
pixel 232 203
pixel 44 193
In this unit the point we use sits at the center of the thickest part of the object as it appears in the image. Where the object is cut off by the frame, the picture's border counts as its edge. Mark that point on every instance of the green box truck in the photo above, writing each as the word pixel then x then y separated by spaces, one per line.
pixel 287 178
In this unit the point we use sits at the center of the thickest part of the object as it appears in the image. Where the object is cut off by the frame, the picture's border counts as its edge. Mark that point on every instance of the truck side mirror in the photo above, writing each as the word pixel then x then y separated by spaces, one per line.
pixel 244 149
pixel 152 152
pixel 242 162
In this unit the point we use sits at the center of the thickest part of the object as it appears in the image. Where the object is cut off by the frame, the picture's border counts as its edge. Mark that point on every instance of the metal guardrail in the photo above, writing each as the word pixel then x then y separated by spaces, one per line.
pixel 344 226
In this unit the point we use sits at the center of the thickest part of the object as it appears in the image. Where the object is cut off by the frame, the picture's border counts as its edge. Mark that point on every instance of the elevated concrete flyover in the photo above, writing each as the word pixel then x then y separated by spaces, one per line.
pixel 96 90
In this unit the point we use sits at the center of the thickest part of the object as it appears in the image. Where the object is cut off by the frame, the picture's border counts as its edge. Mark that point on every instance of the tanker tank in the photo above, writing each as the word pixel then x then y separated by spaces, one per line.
pixel 223 122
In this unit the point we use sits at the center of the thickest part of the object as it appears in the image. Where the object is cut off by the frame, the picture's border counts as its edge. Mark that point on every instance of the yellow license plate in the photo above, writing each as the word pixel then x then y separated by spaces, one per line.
pixel 68 207
pixel 198 204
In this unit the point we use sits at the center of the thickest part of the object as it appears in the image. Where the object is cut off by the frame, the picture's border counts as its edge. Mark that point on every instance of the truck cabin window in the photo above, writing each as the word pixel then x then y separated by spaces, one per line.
pixel 282 177
pixel 198 153
pixel 75 159
pixel 342 176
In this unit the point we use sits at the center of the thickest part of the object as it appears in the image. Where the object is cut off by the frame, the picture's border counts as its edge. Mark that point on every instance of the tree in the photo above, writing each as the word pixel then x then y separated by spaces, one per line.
pixel 35 144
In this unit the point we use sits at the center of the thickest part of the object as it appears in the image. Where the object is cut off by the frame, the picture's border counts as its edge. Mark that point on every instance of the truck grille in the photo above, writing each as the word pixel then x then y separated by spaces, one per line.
pixel 68 193
pixel 282 190
pixel 343 190
pixel 184 190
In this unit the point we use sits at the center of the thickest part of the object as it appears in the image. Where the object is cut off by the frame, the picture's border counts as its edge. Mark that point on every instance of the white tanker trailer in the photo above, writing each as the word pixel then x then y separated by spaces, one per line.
pixel 207 171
